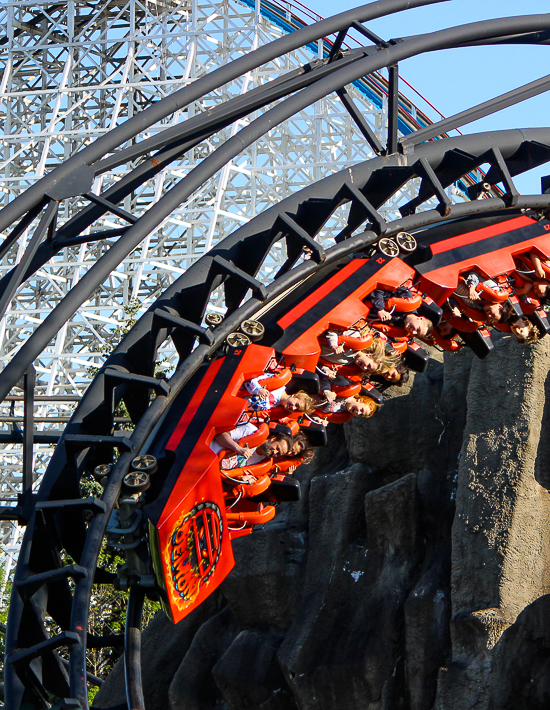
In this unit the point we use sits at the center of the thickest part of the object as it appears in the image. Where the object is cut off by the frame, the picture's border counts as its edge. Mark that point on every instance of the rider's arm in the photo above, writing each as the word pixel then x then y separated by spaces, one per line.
pixel 332 338
pixel 230 439
pixel 539 271
pixel 254 385
pixel 377 299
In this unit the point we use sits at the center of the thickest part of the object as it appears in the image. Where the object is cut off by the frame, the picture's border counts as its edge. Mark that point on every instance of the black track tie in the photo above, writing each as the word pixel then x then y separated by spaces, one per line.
pixel 228 267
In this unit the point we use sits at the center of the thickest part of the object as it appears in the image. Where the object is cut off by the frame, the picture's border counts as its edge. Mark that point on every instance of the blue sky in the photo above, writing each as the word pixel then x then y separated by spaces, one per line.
pixel 456 79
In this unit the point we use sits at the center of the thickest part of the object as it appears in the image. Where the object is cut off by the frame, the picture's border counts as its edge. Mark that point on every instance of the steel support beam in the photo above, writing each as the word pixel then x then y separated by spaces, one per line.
pixel 393 107
pixel 510 98
pixel 231 148
pixel 160 110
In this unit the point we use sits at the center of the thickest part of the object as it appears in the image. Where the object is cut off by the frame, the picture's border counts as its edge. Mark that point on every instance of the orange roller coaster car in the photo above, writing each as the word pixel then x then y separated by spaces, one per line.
pixel 188 522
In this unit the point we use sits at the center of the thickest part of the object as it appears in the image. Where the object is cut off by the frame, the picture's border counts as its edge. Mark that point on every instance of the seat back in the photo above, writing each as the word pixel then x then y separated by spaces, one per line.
pixel 306 381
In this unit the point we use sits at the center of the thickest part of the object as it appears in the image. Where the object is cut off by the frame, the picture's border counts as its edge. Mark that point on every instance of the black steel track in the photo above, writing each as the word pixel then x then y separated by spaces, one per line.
pixel 61 525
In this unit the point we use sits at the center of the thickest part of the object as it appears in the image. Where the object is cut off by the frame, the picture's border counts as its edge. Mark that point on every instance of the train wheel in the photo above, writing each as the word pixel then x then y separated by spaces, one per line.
pixel 388 247
pixel 102 470
pixel 236 340
pixel 146 463
pixel 213 319
pixel 253 329
pixel 136 481
pixel 406 242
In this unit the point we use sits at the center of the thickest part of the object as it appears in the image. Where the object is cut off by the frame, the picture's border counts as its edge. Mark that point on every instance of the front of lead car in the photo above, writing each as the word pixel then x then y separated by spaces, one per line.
pixel 189 534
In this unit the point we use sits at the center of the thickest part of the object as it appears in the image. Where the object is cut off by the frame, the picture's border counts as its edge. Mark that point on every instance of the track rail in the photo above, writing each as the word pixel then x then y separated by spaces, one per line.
pixel 62 526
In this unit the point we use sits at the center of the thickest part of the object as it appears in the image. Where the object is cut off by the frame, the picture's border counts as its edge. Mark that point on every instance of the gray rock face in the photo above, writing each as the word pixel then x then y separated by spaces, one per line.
pixel 413 574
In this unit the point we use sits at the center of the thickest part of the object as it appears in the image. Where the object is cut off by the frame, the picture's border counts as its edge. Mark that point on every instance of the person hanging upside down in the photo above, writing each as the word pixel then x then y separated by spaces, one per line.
pixel 302 448
pixel 524 330
pixel 412 324
pixel 503 314
pixel 490 312
pixel 302 453
pixel 541 285
pixel 468 289
pixel 415 325
pixel 532 277
pixel 263 399
pixel 371 359
pixel 497 312
pixel 330 380
pixel 379 297
pixel 541 266
pixel 273 446
pixel 397 376
pixel 358 405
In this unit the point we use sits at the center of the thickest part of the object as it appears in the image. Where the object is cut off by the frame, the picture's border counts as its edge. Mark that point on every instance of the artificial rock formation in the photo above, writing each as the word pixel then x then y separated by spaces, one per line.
pixel 412 575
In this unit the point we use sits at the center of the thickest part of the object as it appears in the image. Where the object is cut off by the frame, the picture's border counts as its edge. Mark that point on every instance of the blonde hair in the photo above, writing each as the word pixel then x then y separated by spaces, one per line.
pixel 389 361
pixel 365 330
pixel 369 402
pixel 376 350
pixel 309 404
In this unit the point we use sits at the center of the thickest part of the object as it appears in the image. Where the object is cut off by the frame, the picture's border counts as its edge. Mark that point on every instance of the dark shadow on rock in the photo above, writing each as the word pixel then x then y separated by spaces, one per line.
pixel 521 667
pixel 542 463
pixel 193 687
pixel 249 676
pixel 346 648
pixel 164 644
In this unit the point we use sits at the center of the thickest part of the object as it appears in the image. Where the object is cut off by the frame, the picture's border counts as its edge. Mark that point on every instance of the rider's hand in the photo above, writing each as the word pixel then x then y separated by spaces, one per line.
pixel 472 293
pixel 262 393
pixel 456 312
pixel 330 374
pixel 384 315
pixel 339 349
pixel 329 395
pixel 244 451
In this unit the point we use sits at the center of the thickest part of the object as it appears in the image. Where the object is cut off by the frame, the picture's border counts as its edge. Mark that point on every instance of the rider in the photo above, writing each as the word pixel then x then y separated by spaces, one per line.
pixel 274 446
pixel 264 399
pixel 369 360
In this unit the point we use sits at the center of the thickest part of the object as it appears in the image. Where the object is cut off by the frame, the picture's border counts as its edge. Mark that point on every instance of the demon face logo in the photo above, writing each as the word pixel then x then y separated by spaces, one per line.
pixel 193 551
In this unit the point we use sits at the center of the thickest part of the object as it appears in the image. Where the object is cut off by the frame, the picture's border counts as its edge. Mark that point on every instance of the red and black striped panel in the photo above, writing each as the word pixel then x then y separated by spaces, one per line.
pixel 489 250
pixel 206 407
pixel 336 303
pixel 192 533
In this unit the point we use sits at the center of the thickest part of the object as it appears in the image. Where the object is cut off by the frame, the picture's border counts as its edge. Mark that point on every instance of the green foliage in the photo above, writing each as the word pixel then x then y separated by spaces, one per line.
pixel 3 622
pixel 107 615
